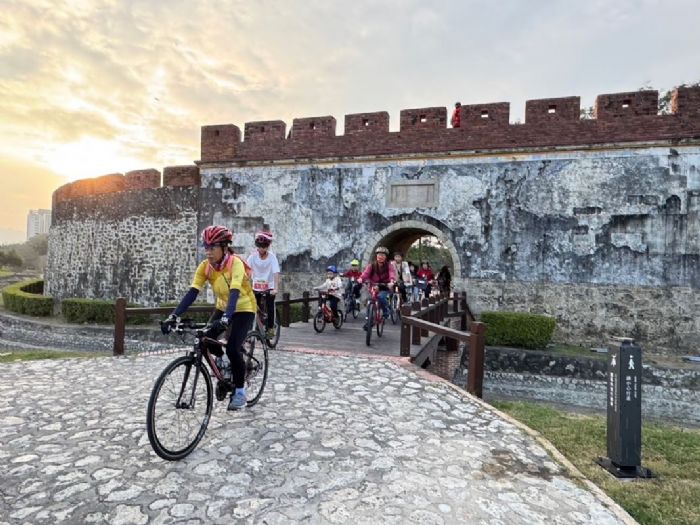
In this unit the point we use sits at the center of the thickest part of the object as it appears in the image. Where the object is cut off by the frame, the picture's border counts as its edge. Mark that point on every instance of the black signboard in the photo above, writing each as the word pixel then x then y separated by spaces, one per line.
pixel 624 406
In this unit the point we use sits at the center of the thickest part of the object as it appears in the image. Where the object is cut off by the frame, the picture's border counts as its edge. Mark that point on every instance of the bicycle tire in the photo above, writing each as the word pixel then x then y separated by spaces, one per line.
pixel 338 320
pixel 370 320
pixel 355 309
pixel 158 433
pixel 319 321
pixel 394 310
pixel 256 363
pixel 380 327
pixel 272 343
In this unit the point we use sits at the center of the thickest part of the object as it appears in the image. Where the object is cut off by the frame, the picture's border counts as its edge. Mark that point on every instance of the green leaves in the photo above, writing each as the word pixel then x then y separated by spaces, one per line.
pixel 518 329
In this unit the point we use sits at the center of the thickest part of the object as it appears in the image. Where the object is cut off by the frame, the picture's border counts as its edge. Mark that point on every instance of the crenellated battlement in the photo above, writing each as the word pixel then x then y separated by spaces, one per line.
pixel 553 122
pixel 173 176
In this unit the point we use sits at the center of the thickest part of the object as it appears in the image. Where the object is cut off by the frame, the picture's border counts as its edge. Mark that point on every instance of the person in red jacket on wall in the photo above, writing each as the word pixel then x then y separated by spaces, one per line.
pixel 456 115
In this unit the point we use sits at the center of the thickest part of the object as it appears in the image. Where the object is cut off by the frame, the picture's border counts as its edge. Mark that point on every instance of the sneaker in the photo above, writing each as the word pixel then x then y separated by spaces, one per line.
pixel 238 401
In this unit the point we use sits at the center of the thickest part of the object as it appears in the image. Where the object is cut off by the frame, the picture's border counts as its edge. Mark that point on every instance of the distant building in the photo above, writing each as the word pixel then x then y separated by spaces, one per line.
pixel 38 222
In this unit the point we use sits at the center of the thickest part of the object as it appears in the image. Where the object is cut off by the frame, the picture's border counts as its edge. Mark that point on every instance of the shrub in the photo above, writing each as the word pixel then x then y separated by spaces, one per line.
pixel 518 329
pixel 88 311
pixel 26 298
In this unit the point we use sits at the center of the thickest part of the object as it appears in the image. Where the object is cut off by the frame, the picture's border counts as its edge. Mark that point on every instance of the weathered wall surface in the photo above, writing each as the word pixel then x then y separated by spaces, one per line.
pixel 134 244
pixel 595 222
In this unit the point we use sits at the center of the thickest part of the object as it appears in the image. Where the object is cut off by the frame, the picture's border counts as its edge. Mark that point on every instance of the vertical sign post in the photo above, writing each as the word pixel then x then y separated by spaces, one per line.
pixel 624 405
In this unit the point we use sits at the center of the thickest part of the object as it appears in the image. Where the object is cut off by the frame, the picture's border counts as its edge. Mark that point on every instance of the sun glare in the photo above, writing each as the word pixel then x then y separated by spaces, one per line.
pixel 89 157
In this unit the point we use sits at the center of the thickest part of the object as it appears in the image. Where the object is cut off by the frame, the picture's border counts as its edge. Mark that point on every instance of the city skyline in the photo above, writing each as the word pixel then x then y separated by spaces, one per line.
pixel 107 86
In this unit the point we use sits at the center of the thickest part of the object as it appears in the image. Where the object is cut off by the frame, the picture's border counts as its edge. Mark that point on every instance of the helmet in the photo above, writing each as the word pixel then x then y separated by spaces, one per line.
pixel 382 249
pixel 263 238
pixel 354 262
pixel 332 269
pixel 217 236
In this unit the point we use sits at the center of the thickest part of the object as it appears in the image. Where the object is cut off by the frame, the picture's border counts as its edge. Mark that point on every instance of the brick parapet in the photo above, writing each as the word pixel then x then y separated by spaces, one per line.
pixel 555 122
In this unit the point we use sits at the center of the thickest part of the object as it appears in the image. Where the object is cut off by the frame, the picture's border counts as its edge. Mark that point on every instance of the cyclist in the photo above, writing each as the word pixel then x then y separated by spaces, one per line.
pixel 266 277
pixel 426 276
pixel 403 275
pixel 234 313
pixel 381 273
pixel 332 286
pixel 352 275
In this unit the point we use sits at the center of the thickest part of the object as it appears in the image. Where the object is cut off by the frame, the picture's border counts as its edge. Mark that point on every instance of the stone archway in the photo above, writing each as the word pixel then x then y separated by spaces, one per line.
pixel 400 236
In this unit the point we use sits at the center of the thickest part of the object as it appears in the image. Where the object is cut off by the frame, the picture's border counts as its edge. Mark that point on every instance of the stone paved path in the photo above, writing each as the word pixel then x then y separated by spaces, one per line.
pixel 334 440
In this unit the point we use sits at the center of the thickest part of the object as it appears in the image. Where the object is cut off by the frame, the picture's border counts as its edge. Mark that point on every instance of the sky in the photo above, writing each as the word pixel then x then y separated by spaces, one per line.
pixel 91 87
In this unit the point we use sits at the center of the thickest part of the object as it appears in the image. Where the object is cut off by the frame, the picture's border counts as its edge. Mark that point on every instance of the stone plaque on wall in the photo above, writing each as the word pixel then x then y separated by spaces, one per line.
pixel 412 194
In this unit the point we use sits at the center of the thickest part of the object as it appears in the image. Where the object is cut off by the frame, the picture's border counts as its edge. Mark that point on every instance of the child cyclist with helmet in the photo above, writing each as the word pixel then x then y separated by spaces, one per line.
pixel 332 285
pixel 352 275
pixel 229 277
pixel 381 273
pixel 266 277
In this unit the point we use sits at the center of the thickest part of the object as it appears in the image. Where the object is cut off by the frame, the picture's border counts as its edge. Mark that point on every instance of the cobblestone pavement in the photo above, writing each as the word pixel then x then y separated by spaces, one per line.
pixel 333 440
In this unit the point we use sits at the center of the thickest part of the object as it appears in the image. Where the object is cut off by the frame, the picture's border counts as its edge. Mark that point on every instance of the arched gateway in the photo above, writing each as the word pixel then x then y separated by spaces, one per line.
pixel 585 220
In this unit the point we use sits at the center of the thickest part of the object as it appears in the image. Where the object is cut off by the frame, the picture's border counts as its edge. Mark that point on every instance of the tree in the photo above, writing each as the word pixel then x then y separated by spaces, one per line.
pixel 10 258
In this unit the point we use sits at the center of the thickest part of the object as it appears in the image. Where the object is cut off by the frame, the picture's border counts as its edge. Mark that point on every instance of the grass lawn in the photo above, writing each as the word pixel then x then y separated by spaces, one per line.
pixel 14 355
pixel 575 351
pixel 672 453
pixel 5 273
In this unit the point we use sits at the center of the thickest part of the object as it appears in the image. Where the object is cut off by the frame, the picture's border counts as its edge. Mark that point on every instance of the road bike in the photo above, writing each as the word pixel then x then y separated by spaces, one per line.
pixel 181 402
pixel 375 317
pixel 261 320
pixel 325 315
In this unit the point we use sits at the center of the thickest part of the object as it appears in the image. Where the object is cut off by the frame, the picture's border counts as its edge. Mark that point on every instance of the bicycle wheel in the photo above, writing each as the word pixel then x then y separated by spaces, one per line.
pixel 368 326
pixel 272 341
pixel 319 321
pixel 355 309
pixel 255 358
pixel 380 326
pixel 179 408
pixel 394 308
pixel 338 320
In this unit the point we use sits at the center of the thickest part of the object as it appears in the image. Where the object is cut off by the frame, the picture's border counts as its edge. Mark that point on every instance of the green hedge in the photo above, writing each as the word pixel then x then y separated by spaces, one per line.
pixel 88 311
pixel 518 329
pixel 26 298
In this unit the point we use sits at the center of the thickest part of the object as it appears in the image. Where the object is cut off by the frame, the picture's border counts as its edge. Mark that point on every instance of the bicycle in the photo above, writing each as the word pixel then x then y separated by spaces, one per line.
pixel 180 405
pixel 375 317
pixel 352 303
pixel 325 315
pixel 261 322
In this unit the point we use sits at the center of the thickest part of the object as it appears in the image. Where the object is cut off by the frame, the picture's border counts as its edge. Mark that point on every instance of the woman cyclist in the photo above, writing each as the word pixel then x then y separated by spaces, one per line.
pixel 381 273
pixel 266 277
pixel 229 277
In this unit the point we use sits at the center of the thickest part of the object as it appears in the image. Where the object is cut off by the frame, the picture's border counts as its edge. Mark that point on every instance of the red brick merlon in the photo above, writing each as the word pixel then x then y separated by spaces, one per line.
pixel 554 122
pixel 173 176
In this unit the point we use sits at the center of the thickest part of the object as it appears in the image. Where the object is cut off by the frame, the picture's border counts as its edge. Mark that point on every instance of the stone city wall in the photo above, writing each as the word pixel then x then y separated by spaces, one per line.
pixel 601 231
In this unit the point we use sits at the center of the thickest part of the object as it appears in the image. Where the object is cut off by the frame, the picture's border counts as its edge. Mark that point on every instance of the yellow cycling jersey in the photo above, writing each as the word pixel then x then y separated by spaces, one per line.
pixel 231 277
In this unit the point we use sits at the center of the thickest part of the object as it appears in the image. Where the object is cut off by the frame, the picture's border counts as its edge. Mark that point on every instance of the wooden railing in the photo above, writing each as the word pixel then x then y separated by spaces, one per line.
pixel 428 319
pixel 122 313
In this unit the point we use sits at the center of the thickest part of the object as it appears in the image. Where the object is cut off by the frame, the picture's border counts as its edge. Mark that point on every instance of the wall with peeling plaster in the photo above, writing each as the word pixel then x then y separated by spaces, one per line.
pixel 606 240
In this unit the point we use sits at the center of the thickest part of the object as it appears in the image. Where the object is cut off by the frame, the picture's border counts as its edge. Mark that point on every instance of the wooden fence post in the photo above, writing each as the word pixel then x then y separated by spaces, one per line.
pixel 119 326
pixel 463 305
pixel 455 302
pixel 286 310
pixel 475 374
pixel 405 347
pixel 305 307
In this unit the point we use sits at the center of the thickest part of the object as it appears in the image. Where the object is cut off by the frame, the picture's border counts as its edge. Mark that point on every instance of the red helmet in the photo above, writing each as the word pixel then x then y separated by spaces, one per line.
pixel 217 236
pixel 263 238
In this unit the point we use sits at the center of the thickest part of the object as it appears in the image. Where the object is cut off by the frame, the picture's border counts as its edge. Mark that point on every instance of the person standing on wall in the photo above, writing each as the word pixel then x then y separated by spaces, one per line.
pixel 456 115
pixel 234 313
pixel 266 277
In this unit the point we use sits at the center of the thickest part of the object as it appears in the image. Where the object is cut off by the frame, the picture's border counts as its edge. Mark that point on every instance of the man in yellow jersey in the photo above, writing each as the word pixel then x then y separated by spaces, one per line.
pixel 229 277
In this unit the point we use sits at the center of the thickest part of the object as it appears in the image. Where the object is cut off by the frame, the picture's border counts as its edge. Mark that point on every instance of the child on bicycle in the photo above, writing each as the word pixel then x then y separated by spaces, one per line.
pixel 381 273
pixel 229 277
pixel 352 275
pixel 332 286
pixel 266 277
